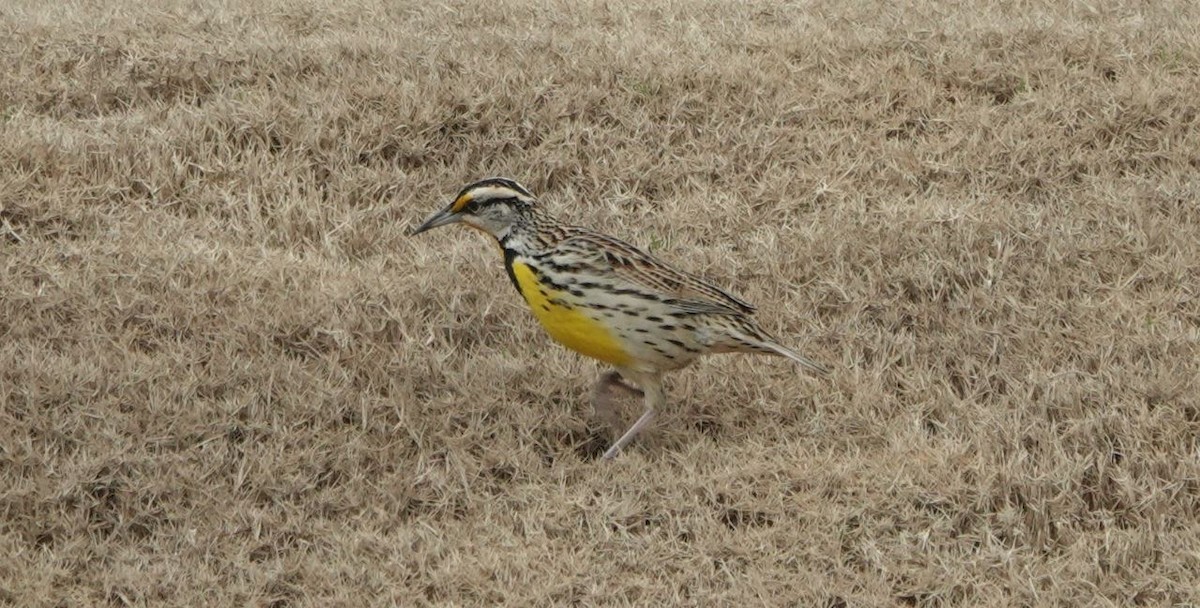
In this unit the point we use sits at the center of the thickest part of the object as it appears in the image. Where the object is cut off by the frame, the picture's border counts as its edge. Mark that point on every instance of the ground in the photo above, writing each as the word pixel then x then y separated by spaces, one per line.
pixel 228 377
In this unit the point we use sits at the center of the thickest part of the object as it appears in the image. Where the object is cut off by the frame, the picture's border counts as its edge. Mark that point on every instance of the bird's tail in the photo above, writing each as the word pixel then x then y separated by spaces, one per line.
pixel 765 345
pixel 804 362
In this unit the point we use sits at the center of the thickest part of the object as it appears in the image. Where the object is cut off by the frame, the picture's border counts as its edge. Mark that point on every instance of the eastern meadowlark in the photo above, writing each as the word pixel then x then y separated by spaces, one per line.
pixel 607 299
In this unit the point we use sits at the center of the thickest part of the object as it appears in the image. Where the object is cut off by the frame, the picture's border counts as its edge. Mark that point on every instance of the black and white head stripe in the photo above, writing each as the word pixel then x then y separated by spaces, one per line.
pixel 490 190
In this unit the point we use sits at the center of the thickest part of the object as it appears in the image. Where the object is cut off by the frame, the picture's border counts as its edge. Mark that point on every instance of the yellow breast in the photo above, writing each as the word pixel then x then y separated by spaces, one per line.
pixel 570 326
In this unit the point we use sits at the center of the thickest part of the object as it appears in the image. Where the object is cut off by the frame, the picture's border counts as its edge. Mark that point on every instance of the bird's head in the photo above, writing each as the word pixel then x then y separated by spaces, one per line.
pixel 493 205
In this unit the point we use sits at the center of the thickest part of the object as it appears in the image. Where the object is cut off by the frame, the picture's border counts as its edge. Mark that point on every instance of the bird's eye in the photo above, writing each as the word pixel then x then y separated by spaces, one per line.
pixel 477 206
pixel 473 207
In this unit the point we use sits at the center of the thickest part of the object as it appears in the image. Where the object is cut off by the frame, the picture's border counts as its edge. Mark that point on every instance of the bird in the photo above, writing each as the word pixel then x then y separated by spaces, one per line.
pixel 607 299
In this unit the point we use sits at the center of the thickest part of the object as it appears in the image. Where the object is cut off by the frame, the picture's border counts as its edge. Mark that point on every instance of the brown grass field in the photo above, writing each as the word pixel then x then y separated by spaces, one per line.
pixel 228 377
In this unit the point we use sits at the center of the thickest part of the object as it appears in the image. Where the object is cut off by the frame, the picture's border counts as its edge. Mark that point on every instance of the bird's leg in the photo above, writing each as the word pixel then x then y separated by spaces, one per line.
pixel 652 387
pixel 613 378
pixel 602 397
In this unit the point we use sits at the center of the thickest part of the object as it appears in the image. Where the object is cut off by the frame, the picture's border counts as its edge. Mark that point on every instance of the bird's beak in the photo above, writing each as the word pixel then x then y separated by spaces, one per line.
pixel 441 218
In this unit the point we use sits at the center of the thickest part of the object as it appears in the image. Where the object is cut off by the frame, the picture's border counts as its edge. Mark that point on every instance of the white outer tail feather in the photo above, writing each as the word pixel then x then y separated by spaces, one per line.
pixel 804 362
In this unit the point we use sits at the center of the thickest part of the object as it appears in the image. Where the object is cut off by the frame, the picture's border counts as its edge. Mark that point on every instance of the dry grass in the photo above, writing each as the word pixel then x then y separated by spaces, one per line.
pixel 228 378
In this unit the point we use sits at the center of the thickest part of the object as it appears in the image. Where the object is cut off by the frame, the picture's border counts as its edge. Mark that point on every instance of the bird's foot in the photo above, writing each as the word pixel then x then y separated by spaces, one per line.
pixel 605 398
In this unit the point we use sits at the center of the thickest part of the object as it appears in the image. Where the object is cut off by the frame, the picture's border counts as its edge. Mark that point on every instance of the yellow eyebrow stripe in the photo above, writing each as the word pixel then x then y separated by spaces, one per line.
pixel 460 203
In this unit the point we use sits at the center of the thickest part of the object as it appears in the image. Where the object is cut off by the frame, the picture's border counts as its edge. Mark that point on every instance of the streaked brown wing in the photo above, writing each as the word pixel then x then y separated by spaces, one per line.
pixel 686 292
